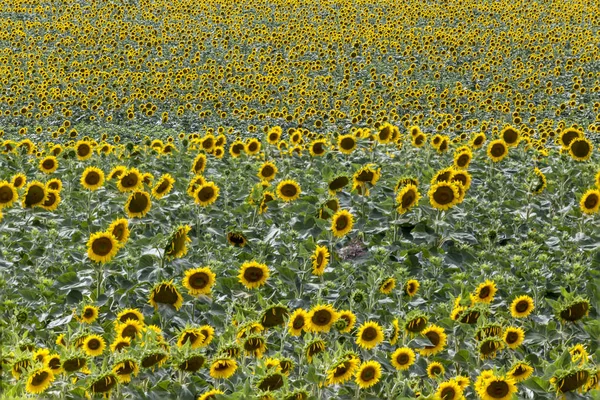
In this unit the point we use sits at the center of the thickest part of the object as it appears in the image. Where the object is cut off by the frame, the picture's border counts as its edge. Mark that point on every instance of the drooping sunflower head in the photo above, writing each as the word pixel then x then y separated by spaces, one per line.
pixel 74 362
pixel 102 247
pixel 206 194
pixel 367 174
pixel 274 316
pixel 521 306
pixel 236 239
pixel 321 318
pixel 488 330
pixel 416 321
pixel 403 358
pixel 342 371
pixel 223 368
pixel 177 246
pixel 125 367
pixel 253 274
pixel 341 223
pixel 329 207
pixel 288 190
pixel 191 362
pixel 490 346
pixel 255 345
pixel 153 357
pixel 313 348
pixel 337 184
pixel 199 281
pixel 574 309
pixel 165 293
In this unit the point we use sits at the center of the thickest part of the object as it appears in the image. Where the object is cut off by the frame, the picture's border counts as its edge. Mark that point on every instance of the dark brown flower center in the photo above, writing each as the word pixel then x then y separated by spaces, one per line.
pixel 199 280
pixel 367 374
pixel 591 201
pixel 341 222
pixel 347 143
pixel 253 274
pixel 289 190
pixel 39 378
pixel 48 164
pixel 581 148
pixel 408 199
pixel 139 203
pixel 206 193
pixel 444 195
pixel 369 334
pixel 497 389
pixel 267 171
pixel 93 344
pixel 498 149
pixel 522 306
pixel 34 196
pixel 322 318
pixel 102 246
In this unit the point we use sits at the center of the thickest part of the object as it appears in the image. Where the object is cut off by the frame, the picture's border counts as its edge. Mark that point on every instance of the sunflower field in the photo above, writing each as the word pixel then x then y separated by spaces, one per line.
pixel 296 199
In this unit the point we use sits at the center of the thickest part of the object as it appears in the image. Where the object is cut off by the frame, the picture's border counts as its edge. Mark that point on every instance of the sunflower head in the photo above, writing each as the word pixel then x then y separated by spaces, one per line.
pixel 94 345
pixel 102 247
pixel 165 293
pixel 89 314
pixel 497 150
pixel 590 201
pixel 321 318
pixel 342 371
pixel 92 178
pixel 437 337
pixel 8 194
pixel 138 204
pixel 485 292
pixel 177 246
pixel 274 316
pixel 444 195
pixel 223 368
pixel 369 335
pixel 416 321
pixel 320 260
pixel 297 322
pixel 407 197
pixel 520 371
pixel 236 239
pixel 163 187
pixel 35 194
pixel 199 281
pixel 253 274
pixel 342 223
pixel 368 374
pixel 449 390
pixel 403 358
pixel 521 307
pixel 435 370
pixel 313 348
pixel 288 190
pixel 206 194
pixel 39 380
pixel 574 309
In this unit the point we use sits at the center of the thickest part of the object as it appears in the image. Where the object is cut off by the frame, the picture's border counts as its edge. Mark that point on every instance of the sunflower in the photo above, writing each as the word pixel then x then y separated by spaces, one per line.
pixel 52 201
pixel 129 180
pixel 321 318
pixel 346 143
pixel 485 292
pixel 138 204
pixel 288 190
pixel 297 322
pixel 102 247
pixel 125 368
pixel 520 371
pixel 194 184
pixel 514 336
pixel 317 148
pixel 40 354
pixel 313 348
pixel 403 358
pixel 83 150
pixel 35 194
pixel 419 140
pixel 253 274
pixel 437 337
pixel 177 246
pixel 165 293
pixel 191 335
pixel 236 239
pixel 320 260
pixel 120 343
pixel 521 307
pixel 119 228
pixel 77 362
pixel 510 136
pixel 223 368
pixel 443 195
pixel 367 174
pixel 48 164
pixel 274 134
pixel 89 314
pixel 199 281
pixel 497 150
pixel 407 197
pixel 348 319
pixel 568 135
pixel 274 316
pixel 489 347
pixel 449 390
pixel 590 201
pixel 578 354
pixel 488 330
pixel 19 180
pixel 435 370
pixel 130 313
pixel 462 381
pixel 387 286
pixel 342 371
pixel 163 187
pixel 267 171
pixel 368 374
pixel 117 172
pixel 462 177
pixel 39 380
pixel 18 367
pixel 369 335
pixel 255 345
pixel 462 160
pixel 341 223
pixel 236 148
pixel 210 395
pixel 497 388
pixel 252 146
pixel 581 149
pixel 103 384
pixel 574 309
pixel 8 194
pixel 206 194
pixel 337 184
pixel 329 208
pixel 411 287
pixel 60 340
pixel 131 328
pixel 94 345
pixel 199 164
pixel 541 183
pixel 395 331
pixel 416 321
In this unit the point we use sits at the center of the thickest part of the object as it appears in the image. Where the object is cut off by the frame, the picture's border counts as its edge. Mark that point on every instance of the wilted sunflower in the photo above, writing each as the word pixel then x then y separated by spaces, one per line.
pixel 313 348
pixel 348 319
pixel 341 223
pixel 48 164
pixel 288 190
pixel 255 345
pixel 581 149
pixel 485 292
pixel 129 180
pixel 39 380
pixel 19 180
pixel 489 347
pixel 104 383
pixel 274 316
pixel 119 228
pixel 449 390
pixel 411 287
pixel 267 171
pixel 35 194
pixel 416 321
pixel 435 370
pixel 342 371
pixel 321 318
pixel 368 374
pixel 138 204
pixel 89 314
pixel 497 150
pixel 387 285
pixel 253 274
pixel 165 293
pixel 163 187
pixel 102 247
pixel 297 322
pixel 124 368
pixel 94 345
pixel 403 358
pixel 8 194
pixel 437 337
pixel 92 178
pixel 346 143
pixel 369 335
pixel 574 309
pixel 497 388
pixel 513 336
pixel 206 194
pixel 590 201
pixel 199 281
pixel 443 195
pixel 320 259
pixel 407 197
pixel 199 164
pixel 177 246
pixel 521 307
pixel 520 371
pixel 223 368
pixel 191 335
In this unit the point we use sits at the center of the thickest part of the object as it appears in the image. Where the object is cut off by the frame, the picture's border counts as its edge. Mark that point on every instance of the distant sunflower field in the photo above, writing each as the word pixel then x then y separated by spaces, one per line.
pixel 208 199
